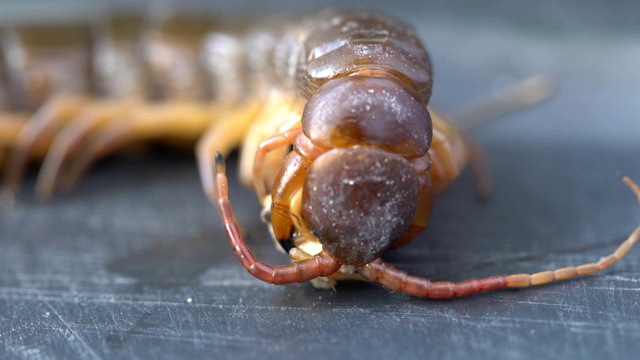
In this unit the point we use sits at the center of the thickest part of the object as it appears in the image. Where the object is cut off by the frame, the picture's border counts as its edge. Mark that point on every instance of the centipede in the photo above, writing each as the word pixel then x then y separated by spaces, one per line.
pixel 330 111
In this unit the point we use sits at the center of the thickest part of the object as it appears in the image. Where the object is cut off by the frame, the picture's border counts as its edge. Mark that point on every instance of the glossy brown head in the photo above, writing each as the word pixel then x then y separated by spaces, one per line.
pixel 359 201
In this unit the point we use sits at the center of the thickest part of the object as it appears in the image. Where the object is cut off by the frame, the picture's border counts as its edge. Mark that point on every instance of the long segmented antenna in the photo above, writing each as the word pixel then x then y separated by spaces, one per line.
pixel 397 280
pixel 301 271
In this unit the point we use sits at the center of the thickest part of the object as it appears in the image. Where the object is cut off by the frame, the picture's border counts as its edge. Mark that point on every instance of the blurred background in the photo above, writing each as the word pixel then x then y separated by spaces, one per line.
pixel 134 263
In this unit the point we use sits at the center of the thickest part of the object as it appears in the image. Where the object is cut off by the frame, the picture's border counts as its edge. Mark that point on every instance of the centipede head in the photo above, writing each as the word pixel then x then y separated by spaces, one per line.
pixel 359 201
pixel 360 196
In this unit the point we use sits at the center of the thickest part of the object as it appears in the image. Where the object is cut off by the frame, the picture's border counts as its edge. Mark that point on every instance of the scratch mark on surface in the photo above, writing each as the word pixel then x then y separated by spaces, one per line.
pixel 118 338
pixel 69 328
pixel 613 288
pixel 623 278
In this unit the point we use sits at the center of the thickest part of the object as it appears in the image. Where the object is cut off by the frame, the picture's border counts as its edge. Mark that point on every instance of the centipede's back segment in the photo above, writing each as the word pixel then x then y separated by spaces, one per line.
pixel 341 44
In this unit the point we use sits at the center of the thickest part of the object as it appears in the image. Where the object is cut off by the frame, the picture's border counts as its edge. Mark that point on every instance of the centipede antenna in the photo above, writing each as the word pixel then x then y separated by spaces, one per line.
pixel 397 280
pixel 219 162
pixel 319 265
pixel 529 92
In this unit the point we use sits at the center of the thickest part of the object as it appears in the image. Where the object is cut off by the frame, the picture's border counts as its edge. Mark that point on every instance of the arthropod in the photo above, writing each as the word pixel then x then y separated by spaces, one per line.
pixel 349 92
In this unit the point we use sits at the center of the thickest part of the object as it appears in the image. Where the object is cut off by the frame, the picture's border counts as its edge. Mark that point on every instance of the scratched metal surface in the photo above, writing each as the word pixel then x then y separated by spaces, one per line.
pixel 106 271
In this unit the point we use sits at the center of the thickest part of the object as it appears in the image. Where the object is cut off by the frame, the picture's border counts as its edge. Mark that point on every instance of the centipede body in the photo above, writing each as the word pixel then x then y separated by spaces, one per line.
pixel 97 87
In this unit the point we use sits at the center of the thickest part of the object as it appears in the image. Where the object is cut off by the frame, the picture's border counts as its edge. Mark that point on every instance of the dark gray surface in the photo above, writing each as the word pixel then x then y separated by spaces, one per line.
pixel 106 271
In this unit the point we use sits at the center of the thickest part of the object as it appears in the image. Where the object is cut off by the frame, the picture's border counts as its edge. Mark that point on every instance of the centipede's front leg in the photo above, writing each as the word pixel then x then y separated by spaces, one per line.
pixel 247 123
pixel 449 153
pixel 276 142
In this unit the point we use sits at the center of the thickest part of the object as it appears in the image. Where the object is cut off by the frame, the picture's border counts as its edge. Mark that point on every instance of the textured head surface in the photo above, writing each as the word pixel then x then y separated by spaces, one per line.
pixel 359 201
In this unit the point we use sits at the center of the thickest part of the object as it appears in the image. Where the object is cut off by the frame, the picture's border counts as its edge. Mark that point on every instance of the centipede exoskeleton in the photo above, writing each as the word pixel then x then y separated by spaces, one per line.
pixel 331 112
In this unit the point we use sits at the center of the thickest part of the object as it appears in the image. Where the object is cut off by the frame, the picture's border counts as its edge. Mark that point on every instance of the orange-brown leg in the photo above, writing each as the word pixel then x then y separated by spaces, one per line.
pixel 108 141
pixel 10 125
pixel 479 166
pixel 523 94
pixel 38 132
pixel 276 142
pixel 452 148
pixel 288 182
pixel 279 114
pixel 72 137
pixel 3 155
pixel 320 265
pixel 172 120
pixel 223 135
pixel 450 151
pixel 397 280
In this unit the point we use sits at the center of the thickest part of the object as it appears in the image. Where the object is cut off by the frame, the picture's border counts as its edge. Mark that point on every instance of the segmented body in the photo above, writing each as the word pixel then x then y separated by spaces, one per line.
pixel 169 59
pixel 74 94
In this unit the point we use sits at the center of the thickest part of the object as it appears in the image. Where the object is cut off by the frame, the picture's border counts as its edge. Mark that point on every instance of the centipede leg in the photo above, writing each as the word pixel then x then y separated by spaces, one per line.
pixel 450 151
pixel 3 156
pixel 523 94
pixel 276 142
pixel 479 166
pixel 10 125
pixel 319 265
pixel 71 138
pixel 279 114
pixel 37 133
pixel 422 216
pixel 223 136
pixel 397 280
pixel 153 122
